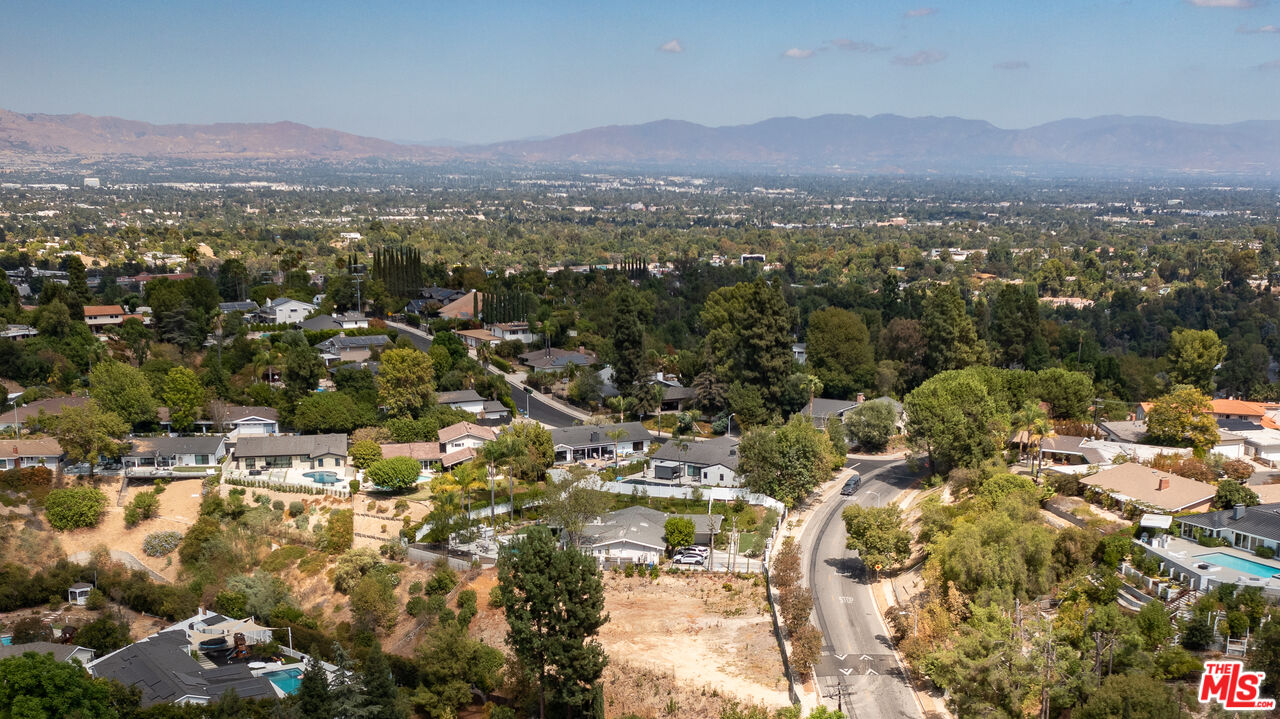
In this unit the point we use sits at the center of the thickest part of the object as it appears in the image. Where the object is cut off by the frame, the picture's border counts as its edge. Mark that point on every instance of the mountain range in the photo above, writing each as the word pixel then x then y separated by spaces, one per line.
pixel 828 143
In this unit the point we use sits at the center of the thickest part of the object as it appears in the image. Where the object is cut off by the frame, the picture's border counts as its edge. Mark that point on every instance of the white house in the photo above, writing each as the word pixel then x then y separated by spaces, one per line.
pixel 636 535
pixel 474 339
pixel 799 351
pixel 285 310
pixel 465 435
pixel 16 453
pixel 1262 444
pixel 712 462
pixel 314 451
pixel 514 331
pixel 229 419
pixel 163 452
pixel 574 444
pixel 467 400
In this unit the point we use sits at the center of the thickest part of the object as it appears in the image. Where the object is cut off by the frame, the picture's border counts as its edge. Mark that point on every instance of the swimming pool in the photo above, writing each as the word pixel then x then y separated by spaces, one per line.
pixel 6 640
pixel 322 477
pixel 1240 564
pixel 287 679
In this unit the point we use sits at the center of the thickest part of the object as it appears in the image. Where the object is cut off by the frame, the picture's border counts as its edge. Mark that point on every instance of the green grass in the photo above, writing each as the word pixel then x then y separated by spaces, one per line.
pixel 284 557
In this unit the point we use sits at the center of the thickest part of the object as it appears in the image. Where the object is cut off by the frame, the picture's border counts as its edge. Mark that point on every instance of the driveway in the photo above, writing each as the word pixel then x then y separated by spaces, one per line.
pixel 858 671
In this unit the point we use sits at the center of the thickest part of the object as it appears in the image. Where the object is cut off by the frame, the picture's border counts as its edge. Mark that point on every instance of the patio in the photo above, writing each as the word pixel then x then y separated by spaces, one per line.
pixel 1197 566
pixel 292 477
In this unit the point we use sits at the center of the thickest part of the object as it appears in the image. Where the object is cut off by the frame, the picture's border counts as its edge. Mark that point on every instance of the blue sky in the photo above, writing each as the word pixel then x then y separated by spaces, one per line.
pixel 484 71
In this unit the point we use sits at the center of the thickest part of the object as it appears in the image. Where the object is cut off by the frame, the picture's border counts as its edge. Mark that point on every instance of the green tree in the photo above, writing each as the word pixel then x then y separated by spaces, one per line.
pixel 748 337
pixel 1132 696
pixel 554 602
pixel 262 592
pixel 405 381
pixel 1155 624
pixel 953 418
pixel 233 281
pixel 538 448
pixel 1182 418
pixel 364 453
pixel 373 602
pixel 879 535
pixel 87 433
pixel 325 412
pixel 184 396
pixel 586 388
pixel 626 335
pixel 381 698
pixel 1230 493
pixel 303 371
pixel 77 280
pixel 1068 394
pixel 450 665
pixel 135 335
pixel 103 635
pixel 871 425
pixel 312 699
pixel 1016 337
pixel 34 685
pixel 1193 357
pixel 394 473
pixel 124 391
pixel 678 531
pixel 570 503
pixel 838 349
pixel 785 463
pixel 951 340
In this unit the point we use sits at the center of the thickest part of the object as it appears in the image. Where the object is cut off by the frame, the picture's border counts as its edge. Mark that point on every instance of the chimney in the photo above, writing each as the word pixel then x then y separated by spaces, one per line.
pixel 1237 512
pixel 1163 484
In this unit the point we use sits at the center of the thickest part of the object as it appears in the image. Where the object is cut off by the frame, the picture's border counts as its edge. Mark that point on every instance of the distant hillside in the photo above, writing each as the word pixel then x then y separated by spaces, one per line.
pixel 61 136
pixel 880 144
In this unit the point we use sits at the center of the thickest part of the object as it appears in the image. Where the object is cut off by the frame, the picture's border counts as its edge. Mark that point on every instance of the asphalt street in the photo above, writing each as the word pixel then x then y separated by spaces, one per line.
pixel 858 671
pixel 533 405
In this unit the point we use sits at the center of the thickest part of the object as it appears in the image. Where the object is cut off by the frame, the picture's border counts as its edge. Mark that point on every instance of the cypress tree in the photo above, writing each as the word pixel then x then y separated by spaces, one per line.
pixel 380 694
pixel 313 693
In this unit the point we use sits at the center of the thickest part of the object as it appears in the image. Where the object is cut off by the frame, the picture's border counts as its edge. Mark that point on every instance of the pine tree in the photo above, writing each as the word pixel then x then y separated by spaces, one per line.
pixel 346 693
pixel 313 693
pixel 381 696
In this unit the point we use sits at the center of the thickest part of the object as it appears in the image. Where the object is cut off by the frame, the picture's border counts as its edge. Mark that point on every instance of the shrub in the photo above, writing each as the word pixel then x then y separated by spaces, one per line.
pixel 495 597
pixel 442 581
pixel 416 606
pixel 401 506
pixel 415 588
pixel 354 486
pixel 278 505
pixel 395 473
pixel 364 453
pixel 159 544
pixel 296 508
pixel 280 559
pixel 97 600
pixel 131 516
pixel 1237 469
pixel 340 532
pixel 158 486
pixel 394 551
pixel 147 504
pixel 1265 552
pixel 74 508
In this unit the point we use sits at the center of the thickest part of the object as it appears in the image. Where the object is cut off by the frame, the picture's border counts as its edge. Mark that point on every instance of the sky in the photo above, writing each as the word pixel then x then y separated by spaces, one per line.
pixel 422 70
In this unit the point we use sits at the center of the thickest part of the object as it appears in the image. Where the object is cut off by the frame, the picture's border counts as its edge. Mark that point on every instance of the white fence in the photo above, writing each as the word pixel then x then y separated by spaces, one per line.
pixel 719 494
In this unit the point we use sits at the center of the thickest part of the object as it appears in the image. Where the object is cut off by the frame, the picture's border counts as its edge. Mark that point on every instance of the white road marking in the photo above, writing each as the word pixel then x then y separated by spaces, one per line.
pixel 846 672
pixel 841 656
pixel 864 658
pixel 872 672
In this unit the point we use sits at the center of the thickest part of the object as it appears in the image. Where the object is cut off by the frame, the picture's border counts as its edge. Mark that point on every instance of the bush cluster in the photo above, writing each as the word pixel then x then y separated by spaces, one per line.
pixel 159 544
pixel 74 508
pixel 284 487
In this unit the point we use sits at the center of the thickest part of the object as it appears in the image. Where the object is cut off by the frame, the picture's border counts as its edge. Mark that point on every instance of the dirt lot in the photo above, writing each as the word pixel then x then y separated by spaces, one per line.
pixel 388 520
pixel 680 641
pixel 179 509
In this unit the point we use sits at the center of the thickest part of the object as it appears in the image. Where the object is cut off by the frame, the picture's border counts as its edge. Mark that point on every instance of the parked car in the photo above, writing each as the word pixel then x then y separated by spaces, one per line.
pixel 695 549
pixel 851 485
pixel 691 559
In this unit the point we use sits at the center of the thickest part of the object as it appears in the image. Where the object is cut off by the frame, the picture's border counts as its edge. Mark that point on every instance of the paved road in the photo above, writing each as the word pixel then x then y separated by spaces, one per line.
pixel 857 654
pixel 534 406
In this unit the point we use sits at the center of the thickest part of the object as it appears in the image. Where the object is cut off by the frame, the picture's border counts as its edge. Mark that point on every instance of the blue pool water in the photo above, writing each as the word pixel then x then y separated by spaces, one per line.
pixel 322 477
pixel 1231 561
pixel 287 679
pixel 6 641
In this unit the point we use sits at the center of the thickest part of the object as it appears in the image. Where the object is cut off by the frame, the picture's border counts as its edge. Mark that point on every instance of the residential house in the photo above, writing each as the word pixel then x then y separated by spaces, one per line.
pixel 552 358
pixel 821 410
pixel 100 316
pixel 247 307
pixel 574 444
pixel 311 451
pixel 465 435
pixel 474 339
pixel 676 398
pixel 1244 527
pixel 1261 444
pixel 800 352
pixel 713 462
pixel 1223 409
pixel 285 311
pixel 488 412
pixel 514 331
pixel 18 332
pixel 468 307
pixel 457 443
pixel 229 419
pixel 636 535
pixel 162 668
pixel 1152 488
pixel 343 349
pixel 43 452
pixel 166 452
pixel 1229 444
pixel 140 280
pixel 53 405
pixel 64 653
pixel 335 321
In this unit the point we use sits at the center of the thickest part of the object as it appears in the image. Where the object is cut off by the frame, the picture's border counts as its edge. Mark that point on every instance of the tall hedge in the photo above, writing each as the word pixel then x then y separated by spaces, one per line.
pixel 340 533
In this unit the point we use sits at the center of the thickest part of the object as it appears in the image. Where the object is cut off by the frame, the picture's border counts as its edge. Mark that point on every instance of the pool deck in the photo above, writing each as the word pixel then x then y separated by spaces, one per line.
pixel 1183 556
pixel 294 476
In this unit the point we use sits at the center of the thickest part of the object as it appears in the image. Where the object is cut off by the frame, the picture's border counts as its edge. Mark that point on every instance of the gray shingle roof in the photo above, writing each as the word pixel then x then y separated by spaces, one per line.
pixel 823 408
pixel 162 669
pixel 60 652
pixel 320 322
pixel 304 445
pixel 461 395
pixel 642 525
pixel 245 306
pixel 721 450
pixel 591 435
pixel 168 446
pixel 1260 521
pixel 344 342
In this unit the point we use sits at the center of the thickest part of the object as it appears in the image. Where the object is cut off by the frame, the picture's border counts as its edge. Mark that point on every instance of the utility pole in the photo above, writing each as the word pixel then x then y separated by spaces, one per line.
pixel 839 694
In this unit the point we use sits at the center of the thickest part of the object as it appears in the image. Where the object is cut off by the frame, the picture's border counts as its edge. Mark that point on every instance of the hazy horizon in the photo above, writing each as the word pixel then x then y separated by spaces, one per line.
pixel 508 71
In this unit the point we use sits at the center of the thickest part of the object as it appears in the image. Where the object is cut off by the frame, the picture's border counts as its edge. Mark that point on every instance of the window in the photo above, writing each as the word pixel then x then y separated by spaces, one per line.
pixel 202 459
pixel 637 446
pixel 249 463
pixel 320 462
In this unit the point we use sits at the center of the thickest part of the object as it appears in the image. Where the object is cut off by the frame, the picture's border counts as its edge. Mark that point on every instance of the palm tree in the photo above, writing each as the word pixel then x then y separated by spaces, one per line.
pixel 1022 422
pixel 1041 429
pixel 814 385
pixel 482 354
pixel 444 493
pixel 619 403
pixel 502 452
pixel 616 435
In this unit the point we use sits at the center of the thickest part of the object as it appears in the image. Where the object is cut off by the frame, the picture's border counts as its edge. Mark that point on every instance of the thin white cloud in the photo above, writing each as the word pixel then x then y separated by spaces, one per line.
pixel 672 46
pixel 1264 30
pixel 798 53
pixel 924 57
pixel 1234 4
pixel 848 45
pixel 1012 65
pixel 1267 66
pixel 921 12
